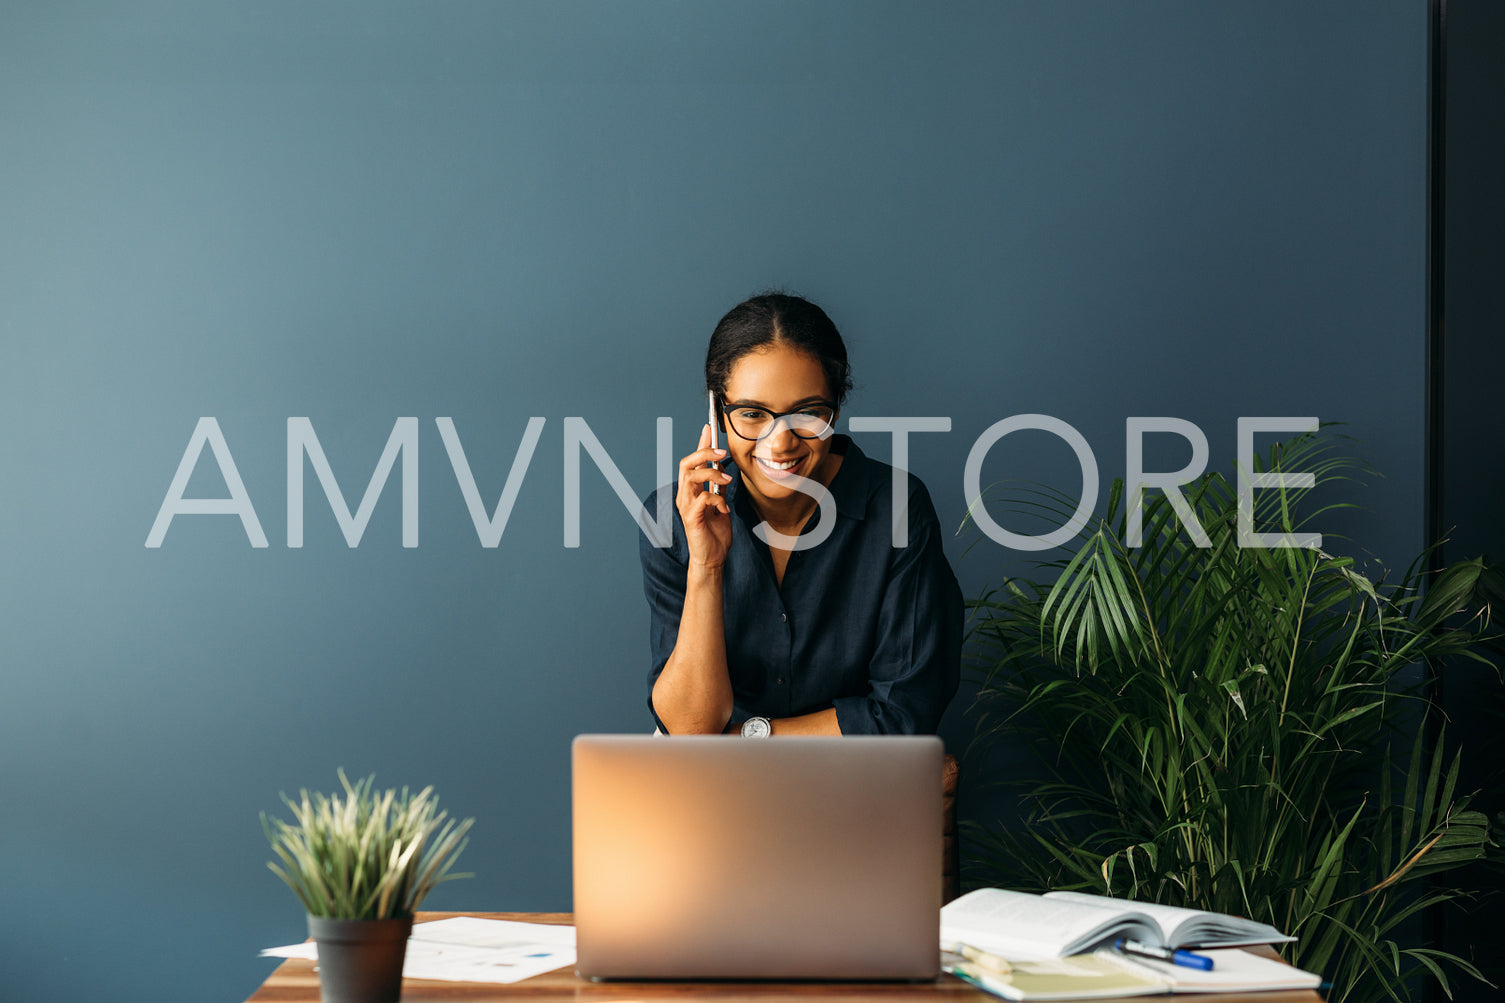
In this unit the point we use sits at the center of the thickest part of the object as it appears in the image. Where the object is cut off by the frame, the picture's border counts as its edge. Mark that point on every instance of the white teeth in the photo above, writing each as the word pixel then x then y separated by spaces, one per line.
pixel 777 466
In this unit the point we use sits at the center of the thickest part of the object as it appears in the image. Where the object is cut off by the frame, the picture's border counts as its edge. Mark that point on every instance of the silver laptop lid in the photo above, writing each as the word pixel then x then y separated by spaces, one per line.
pixel 793 857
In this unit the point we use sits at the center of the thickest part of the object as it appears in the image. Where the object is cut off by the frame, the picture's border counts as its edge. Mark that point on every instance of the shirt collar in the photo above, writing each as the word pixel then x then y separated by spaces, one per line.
pixel 852 487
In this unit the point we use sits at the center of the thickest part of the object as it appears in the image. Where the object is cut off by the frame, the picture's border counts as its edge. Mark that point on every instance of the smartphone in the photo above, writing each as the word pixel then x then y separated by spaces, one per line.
pixel 715 421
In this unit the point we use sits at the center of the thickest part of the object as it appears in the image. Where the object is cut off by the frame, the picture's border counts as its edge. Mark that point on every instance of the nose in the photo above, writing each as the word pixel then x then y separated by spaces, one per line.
pixel 781 436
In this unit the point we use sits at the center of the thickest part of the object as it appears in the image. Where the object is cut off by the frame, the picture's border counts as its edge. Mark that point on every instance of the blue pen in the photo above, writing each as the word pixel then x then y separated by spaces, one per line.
pixel 1184 958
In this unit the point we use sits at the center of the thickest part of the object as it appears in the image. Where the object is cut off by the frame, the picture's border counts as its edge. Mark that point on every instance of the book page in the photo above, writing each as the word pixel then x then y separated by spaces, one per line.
pixel 1167 917
pixel 1024 927
pixel 1181 927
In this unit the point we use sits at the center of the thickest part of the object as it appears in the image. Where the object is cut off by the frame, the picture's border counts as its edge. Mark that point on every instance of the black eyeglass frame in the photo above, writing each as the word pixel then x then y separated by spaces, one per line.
pixel 773 418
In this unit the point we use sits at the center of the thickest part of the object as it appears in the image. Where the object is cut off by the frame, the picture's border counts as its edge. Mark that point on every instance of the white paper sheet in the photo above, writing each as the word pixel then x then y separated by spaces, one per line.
pixel 471 949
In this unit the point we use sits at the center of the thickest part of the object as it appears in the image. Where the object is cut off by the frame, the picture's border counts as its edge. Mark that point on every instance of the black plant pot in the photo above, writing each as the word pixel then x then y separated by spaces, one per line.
pixel 360 960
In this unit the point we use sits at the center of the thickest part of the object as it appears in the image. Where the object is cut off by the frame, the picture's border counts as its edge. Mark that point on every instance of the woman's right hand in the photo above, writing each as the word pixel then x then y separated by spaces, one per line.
pixel 707 519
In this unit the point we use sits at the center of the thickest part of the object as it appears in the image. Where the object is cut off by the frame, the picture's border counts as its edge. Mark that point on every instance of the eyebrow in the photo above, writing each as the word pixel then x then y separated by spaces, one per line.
pixel 795 406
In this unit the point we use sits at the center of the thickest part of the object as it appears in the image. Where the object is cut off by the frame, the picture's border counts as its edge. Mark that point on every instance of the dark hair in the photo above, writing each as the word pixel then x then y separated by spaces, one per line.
pixel 777 318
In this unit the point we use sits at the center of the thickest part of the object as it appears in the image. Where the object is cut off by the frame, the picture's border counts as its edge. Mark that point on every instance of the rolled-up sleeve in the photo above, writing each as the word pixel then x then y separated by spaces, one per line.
pixel 915 667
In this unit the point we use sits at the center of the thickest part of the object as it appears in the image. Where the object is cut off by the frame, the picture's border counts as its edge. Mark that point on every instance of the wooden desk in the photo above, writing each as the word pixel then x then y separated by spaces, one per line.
pixel 295 981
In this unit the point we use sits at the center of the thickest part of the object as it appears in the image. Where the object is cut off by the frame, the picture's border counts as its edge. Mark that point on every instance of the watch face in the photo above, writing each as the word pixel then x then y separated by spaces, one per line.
pixel 756 727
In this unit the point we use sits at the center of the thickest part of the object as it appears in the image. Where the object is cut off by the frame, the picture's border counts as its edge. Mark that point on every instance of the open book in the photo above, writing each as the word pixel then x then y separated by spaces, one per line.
pixel 1024 927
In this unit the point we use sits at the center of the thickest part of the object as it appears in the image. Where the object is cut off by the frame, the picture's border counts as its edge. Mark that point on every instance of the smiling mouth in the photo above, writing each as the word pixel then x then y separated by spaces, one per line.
pixel 777 471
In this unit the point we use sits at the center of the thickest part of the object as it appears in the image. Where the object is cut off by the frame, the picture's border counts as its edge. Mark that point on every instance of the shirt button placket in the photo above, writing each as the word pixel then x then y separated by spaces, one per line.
pixel 779 681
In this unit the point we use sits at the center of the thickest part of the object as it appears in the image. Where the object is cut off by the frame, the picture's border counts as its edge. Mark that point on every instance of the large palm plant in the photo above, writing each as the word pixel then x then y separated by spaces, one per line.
pixel 1225 727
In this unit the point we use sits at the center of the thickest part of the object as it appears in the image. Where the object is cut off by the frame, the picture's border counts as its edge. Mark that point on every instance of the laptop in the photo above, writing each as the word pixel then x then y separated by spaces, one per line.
pixel 712 857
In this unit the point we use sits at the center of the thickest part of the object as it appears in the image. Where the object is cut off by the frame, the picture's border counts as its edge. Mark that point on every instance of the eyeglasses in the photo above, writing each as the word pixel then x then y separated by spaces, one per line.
pixel 810 421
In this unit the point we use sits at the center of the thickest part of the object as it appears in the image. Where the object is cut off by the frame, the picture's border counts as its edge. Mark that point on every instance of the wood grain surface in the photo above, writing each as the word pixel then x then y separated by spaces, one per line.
pixel 295 981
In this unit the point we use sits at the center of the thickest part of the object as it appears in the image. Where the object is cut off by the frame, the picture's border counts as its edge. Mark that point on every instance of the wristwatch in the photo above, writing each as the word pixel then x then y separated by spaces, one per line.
pixel 757 727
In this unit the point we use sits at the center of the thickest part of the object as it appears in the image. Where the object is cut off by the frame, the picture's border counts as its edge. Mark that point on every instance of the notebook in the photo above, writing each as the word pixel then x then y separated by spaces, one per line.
pixel 704 857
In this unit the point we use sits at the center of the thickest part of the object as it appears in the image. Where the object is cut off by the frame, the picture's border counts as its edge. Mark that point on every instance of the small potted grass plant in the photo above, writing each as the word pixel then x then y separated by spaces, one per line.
pixel 361 864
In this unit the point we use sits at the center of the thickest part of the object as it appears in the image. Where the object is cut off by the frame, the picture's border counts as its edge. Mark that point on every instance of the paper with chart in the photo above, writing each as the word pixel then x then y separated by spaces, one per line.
pixel 471 949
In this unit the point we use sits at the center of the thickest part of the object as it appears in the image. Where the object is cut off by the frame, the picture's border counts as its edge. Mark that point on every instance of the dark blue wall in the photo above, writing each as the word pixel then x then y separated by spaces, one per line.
pixel 356 212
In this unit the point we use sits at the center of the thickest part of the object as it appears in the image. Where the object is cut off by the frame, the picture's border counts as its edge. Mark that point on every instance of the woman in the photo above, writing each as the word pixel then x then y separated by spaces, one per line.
pixel 756 631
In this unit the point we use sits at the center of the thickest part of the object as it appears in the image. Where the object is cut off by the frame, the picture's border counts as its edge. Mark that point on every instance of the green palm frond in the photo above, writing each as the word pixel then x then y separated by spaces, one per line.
pixel 1213 724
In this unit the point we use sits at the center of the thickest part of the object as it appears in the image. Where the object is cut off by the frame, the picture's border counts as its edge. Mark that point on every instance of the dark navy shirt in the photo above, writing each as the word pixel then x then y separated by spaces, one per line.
pixel 858 624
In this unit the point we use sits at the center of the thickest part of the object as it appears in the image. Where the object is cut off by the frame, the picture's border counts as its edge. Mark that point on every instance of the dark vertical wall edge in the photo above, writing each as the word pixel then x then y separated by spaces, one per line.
pixel 1436 341
pixel 1465 434
pixel 1436 276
